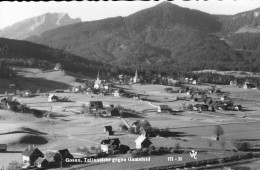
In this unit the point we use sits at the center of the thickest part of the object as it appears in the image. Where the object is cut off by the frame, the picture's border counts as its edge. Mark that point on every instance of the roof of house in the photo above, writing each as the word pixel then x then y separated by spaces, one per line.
pixel 164 106
pixel 65 153
pixel 29 151
pixel 250 85
pixel 40 160
pixel 140 139
pixel 3 146
pixel 108 128
pixel 136 123
pixel 200 105
pixel 112 109
pixel 114 141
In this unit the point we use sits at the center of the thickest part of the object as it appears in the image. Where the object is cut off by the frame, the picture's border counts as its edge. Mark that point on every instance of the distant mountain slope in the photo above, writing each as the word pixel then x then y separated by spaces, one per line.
pixel 23 53
pixel 37 25
pixel 245 22
pixel 162 36
pixel 165 37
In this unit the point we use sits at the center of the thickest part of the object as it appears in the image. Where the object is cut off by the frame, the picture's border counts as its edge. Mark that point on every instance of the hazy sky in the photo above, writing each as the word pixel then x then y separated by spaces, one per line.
pixel 11 12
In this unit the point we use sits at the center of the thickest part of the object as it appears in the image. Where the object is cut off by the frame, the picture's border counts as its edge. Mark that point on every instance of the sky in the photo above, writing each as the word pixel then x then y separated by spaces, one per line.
pixel 12 12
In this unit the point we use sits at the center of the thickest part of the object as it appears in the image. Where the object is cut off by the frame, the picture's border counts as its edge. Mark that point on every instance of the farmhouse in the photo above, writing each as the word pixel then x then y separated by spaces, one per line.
pixel 163 108
pixel 121 78
pixel 65 154
pixel 95 105
pixel 233 83
pixel 3 147
pixel 110 145
pixel 248 85
pixel 136 126
pixel 26 93
pixel 172 82
pixel 194 82
pixel 41 163
pixel 57 67
pixel 201 107
pixel 198 98
pixel 116 93
pixel 142 142
pixel 112 112
pixel 30 155
pixel 52 98
pixel 76 89
pixel 168 90
pixel 108 130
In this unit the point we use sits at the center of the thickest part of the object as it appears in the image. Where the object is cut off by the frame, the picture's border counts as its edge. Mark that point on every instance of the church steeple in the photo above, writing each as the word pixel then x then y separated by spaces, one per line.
pixel 136 75
pixel 98 75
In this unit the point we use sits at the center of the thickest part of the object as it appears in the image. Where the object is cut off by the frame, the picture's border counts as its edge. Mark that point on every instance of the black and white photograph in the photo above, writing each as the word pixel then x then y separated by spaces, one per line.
pixel 130 85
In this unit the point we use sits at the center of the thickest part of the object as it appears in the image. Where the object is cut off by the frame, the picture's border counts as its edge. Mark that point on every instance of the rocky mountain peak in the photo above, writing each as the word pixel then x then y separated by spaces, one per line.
pixel 37 25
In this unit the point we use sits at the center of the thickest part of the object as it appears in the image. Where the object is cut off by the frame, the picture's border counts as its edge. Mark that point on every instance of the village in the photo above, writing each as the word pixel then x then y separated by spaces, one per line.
pixel 105 121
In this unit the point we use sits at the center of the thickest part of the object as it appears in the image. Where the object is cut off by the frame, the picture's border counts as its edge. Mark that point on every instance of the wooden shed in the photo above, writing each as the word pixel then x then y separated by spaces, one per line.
pixel 3 147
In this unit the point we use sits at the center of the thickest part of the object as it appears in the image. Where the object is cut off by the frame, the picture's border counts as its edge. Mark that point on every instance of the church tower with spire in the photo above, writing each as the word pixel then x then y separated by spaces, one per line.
pixel 136 79
pixel 97 82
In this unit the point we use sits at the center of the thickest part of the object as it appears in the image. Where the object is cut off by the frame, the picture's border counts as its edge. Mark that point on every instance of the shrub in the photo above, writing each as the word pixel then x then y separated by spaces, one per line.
pixel 123 127
pixel 221 161
pixel 84 150
pixel 139 153
pixel 241 146
pixel 152 147
pixel 37 113
pixel 84 108
pixel 249 155
pixel 234 150
pixel 131 130
pixel 187 164
pixel 14 165
pixel 177 148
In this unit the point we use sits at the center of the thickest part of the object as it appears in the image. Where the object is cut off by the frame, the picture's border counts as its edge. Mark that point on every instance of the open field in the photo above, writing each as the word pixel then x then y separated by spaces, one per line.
pixel 66 129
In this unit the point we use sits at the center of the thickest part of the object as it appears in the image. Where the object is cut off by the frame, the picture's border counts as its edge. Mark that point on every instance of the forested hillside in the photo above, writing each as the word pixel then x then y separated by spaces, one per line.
pixel 166 37
pixel 23 53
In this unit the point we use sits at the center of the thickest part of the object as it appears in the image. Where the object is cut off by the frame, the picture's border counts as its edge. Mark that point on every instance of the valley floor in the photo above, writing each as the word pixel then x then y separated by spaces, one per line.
pixel 66 129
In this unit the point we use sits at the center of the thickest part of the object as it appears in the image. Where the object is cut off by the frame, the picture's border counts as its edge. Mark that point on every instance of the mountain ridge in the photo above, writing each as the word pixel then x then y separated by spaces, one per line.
pixel 36 25
pixel 163 36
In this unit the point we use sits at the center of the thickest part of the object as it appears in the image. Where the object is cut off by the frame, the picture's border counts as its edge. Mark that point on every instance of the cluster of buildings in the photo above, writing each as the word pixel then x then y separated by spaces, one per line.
pixel 32 156
pixel 125 79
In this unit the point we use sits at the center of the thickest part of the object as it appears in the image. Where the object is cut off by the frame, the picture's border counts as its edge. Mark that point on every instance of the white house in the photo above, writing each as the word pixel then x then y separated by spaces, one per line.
pixel 142 142
pixel 233 83
pixel 248 85
pixel 30 155
pixel 108 145
pixel 52 98
pixel 57 67
pixel 194 82
pixel 116 93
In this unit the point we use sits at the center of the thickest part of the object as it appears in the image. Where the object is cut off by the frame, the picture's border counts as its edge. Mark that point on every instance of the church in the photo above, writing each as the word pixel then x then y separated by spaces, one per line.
pixel 98 82
pixel 136 79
